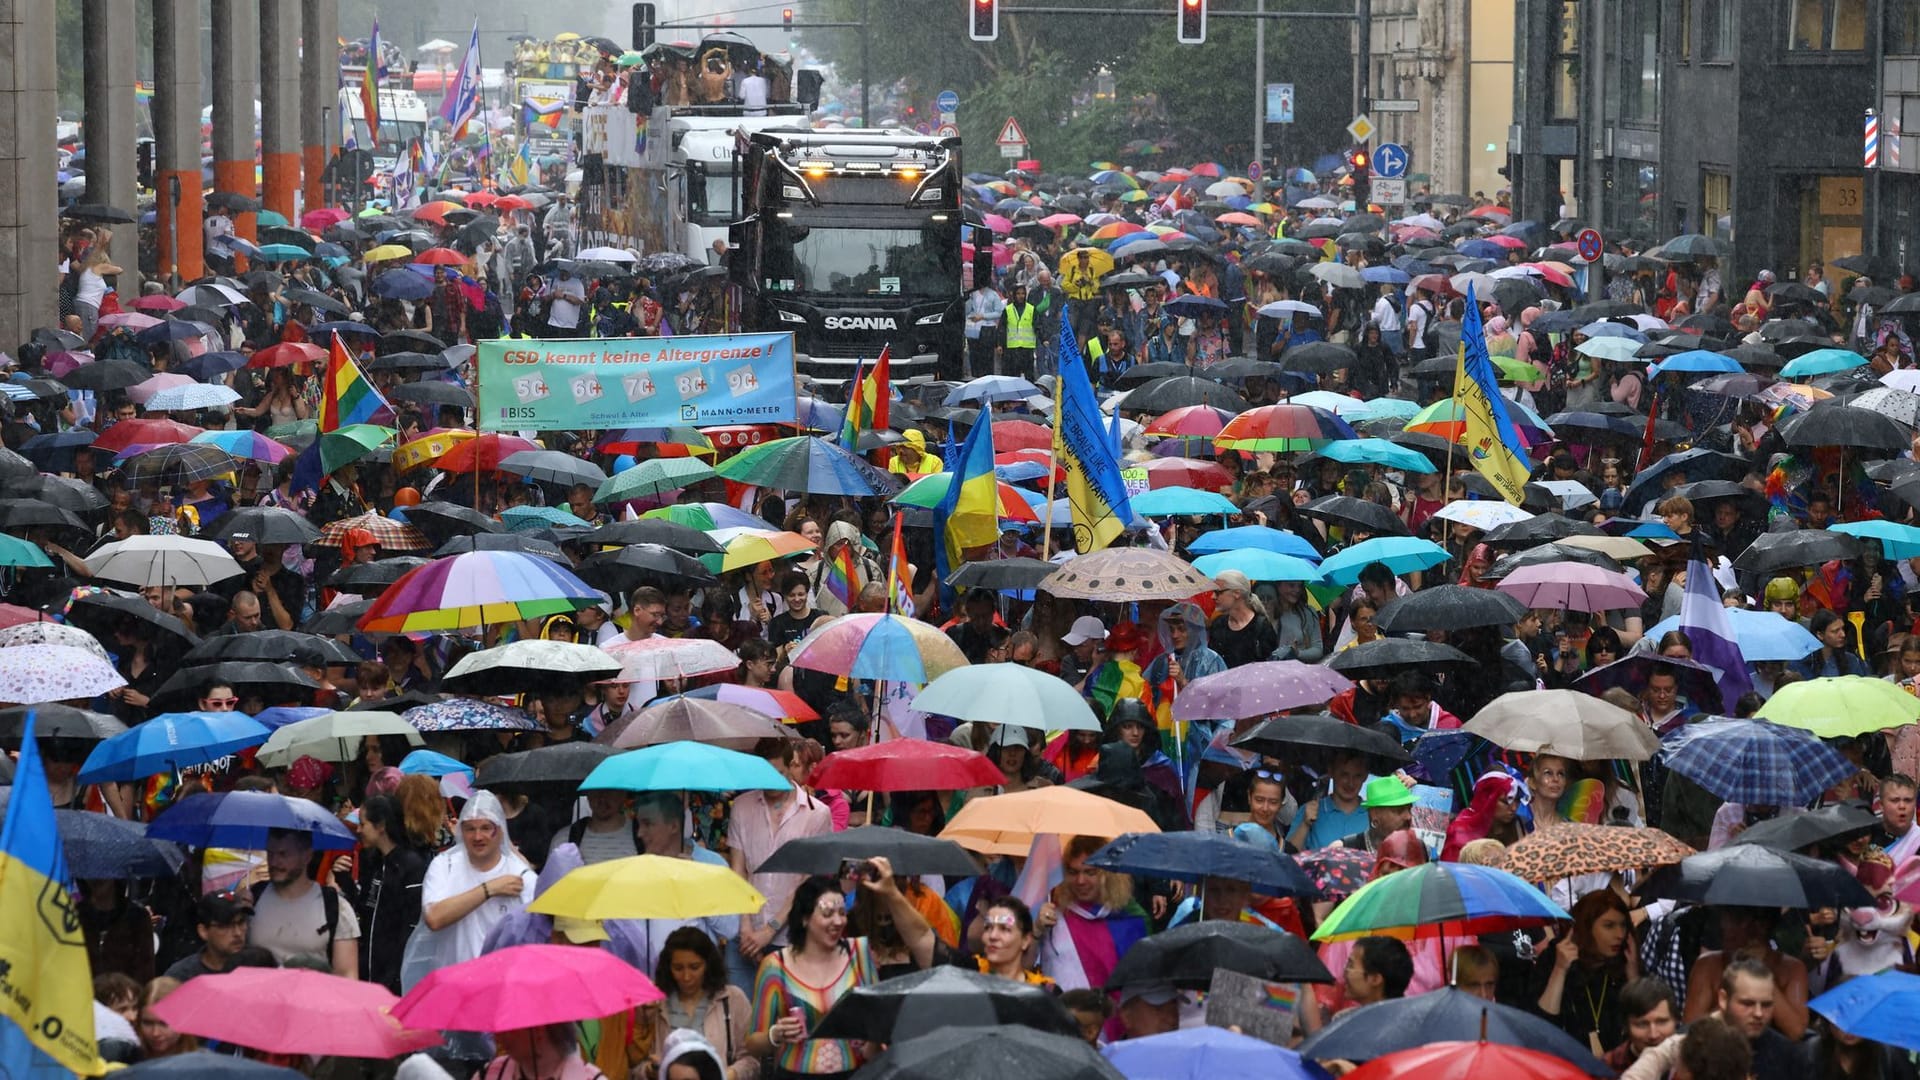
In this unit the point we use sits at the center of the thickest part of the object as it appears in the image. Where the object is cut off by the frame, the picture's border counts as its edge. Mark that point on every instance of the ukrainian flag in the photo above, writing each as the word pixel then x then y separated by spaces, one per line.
pixel 968 515
pixel 1489 436
pixel 1087 453
pixel 46 985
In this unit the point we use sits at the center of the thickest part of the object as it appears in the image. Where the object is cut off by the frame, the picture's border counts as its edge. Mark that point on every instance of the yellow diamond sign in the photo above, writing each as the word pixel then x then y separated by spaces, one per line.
pixel 1362 128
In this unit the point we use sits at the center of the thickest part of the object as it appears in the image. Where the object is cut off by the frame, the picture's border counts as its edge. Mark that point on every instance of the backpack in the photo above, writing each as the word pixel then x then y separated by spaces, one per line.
pixel 329 904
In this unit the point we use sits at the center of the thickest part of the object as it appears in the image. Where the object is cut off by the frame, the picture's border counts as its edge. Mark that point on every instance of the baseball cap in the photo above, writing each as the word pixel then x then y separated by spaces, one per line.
pixel 579 931
pixel 1385 791
pixel 219 909
pixel 1153 993
pixel 1085 628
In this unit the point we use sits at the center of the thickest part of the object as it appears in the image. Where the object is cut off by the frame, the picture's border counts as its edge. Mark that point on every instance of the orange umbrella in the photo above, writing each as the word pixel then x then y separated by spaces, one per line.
pixel 1238 218
pixel 1007 824
pixel 436 211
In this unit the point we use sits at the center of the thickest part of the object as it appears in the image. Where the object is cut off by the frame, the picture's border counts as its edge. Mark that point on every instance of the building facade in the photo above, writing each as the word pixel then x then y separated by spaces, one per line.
pixel 1453 60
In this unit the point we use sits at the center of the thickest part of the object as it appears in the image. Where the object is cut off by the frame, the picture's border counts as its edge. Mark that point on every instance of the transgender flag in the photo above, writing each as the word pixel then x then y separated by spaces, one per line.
pixel 1704 618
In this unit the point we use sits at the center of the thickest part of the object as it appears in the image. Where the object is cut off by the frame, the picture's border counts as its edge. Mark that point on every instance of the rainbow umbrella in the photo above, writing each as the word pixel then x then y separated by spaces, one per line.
pixel 1448 421
pixel 474 589
pixel 1440 899
pixel 806 463
pixel 1279 428
pixel 247 444
pixel 927 492
pixel 876 646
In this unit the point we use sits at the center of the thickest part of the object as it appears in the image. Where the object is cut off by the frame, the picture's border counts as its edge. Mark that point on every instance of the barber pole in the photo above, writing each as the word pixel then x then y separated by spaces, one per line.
pixel 1872 147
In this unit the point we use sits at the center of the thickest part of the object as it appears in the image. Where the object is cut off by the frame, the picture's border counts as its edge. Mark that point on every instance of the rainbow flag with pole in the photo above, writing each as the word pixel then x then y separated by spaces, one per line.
pixel 899 572
pixel 867 405
pixel 346 395
pixel 842 576
pixel 370 86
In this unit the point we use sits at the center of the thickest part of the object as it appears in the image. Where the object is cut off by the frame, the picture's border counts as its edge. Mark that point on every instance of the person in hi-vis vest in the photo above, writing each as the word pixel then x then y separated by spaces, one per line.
pixel 1017 347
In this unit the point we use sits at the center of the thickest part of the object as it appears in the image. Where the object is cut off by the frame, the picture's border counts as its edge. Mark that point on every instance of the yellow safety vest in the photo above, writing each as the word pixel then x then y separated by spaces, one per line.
pixel 1020 328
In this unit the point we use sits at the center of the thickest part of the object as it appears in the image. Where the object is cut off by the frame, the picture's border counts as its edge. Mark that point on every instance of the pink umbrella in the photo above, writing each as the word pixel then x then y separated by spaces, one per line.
pixel 291 1011
pixel 1507 241
pixel 140 393
pixel 1258 690
pixel 997 223
pixel 1002 258
pixel 158 303
pixel 526 986
pixel 1054 221
pixel 61 364
pixel 324 218
pixel 1572 587
pixel 130 320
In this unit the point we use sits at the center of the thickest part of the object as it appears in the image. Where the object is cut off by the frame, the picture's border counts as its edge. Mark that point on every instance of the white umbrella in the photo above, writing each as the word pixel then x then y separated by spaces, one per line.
pixel 671 658
pixel 1223 188
pixel 192 396
pixel 1281 309
pixel 1481 514
pixel 163 560
pixel 1317 202
pixel 32 674
pixel 1480 283
pixel 1904 379
pixel 437 45
pixel 606 254
pixel 1338 275
pixel 333 736
pixel 1618 349
pixel 521 664
pixel 1007 694
pixel 51 633
pixel 1423 221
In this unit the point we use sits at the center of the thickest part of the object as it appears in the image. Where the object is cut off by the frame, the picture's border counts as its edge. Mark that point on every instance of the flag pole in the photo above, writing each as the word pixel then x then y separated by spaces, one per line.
pixel 1053 444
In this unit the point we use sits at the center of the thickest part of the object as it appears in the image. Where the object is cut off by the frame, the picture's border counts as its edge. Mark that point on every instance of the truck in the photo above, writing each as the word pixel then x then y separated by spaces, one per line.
pixel 403 118
pixel 850 239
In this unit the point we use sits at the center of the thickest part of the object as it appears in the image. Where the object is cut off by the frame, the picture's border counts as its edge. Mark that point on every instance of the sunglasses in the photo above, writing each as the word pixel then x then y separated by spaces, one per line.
pixel 228 701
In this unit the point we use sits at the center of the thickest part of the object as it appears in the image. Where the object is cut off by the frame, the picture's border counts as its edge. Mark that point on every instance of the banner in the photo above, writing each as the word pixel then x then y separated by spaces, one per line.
pixel 599 383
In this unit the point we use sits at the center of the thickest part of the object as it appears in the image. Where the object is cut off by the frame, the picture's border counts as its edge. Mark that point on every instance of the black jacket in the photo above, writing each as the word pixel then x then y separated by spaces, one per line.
pixel 389 909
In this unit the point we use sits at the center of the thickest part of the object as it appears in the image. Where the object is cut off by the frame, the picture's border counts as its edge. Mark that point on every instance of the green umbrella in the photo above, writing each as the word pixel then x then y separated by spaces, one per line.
pixel 334 736
pixel 655 476
pixel 17 552
pixel 351 443
pixel 294 429
pixel 1438 899
pixel 1841 708
pixel 284 252
pixel 268 219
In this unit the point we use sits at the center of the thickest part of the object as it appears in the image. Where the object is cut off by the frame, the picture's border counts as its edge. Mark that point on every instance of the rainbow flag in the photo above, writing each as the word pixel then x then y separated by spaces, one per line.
pixel 842 577
pixel 1280 997
pixel 899 572
pixel 968 515
pixel 346 396
pixel 1490 437
pixel 46 982
pixel 545 114
pixel 370 86
pixel 867 405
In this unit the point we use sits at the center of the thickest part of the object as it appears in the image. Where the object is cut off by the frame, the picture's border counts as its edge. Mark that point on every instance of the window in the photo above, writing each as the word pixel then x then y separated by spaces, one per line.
pixel 1716 204
pixel 1564 69
pixel 1903 27
pixel 1684 12
pixel 1640 60
pixel 1716 29
pixel 1827 25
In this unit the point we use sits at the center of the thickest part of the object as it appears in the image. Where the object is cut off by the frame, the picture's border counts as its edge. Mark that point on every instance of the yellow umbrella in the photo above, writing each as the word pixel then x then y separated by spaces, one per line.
pixel 385 252
pixel 1081 270
pixel 750 549
pixel 428 449
pixel 648 887
pixel 566 36
pixel 1007 824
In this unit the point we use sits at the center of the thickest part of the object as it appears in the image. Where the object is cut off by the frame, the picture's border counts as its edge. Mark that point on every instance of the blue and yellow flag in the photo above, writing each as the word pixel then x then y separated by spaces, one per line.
pixel 968 515
pixel 1492 442
pixel 1086 452
pixel 46 985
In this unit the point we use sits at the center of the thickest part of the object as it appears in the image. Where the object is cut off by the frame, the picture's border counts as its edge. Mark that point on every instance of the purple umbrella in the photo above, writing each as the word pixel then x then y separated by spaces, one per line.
pixel 1257 690
pixel 1572 586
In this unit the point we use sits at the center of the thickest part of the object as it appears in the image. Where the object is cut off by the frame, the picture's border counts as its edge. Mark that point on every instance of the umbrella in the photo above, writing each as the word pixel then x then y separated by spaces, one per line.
pixel 1258 689
pixel 474 589
pixel 162 560
pixel 1283 736
pixel 682 718
pixel 1354 513
pixel 333 736
pixel 1698 682
pixel 277 646
pixel 1841 708
pixel 905 765
pixel 1439 899
pixel 1187 956
pixel 1572 587
pixel 1448 1014
pixel 1794 831
pixel 170 742
pixel 520 665
pixel 98 613
pixel 1754 876
pixel 806 463
pixel 1377 452
pixel 1760 635
pixel 1255 536
pixel 949 1052
pixel 684 766
pixel 1449 607
pixel 781 704
pixel 909 854
pixel 1259 565
pixel 1017 574
pixel 1008 694
pixel 1281 428
pixel 1204 1053
pixel 1007 824
pixel 912 1005
pixel 468 714
pixel 1879 1007
pixel 1180 391
pixel 242 819
pixel 207 1065
pixel 1897 541
pixel 1194 857
pixel 1754 762
pixel 98 846
pixel 1467 1060
pixel 31 674
pixel 53 721
pixel 1378 659
pixel 388 534
pixel 292 1012
pixel 672 658
pixel 41 632
pixel 648 887
pixel 878 646
pixel 1400 554
pixel 526 986
pixel 1116 574
pixel 1570 848
pixel 1539 528
pixel 566 764
pixel 1564 722
pixel 1167 501
pixel 1845 426
pixel 553 467
pixel 653 477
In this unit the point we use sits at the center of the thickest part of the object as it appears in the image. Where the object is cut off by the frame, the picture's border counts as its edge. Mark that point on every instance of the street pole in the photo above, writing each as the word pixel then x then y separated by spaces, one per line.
pixel 1260 82
pixel 1363 92
pixel 866 72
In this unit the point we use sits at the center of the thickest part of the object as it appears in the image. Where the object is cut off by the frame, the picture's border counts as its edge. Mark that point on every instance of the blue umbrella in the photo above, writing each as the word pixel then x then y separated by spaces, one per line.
pixel 1194 857
pixel 1165 501
pixel 1255 536
pixel 1755 763
pixel 1761 635
pixel 807 463
pixel 684 766
pixel 1883 1007
pixel 242 819
pixel 1822 362
pixel 1897 541
pixel 1400 554
pixel 1018 471
pixel 1205 1053
pixel 402 285
pixel 1483 249
pixel 169 742
pixel 341 326
pixel 1698 362
pixel 1192 305
pixel 1258 564
pixel 1386 408
pixel 1385 275
pixel 818 415
pixel 280 716
pixel 989 388
pixel 433 763
pixel 208 366
pixel 99 846
pixel 1377 452
pixel 207 1065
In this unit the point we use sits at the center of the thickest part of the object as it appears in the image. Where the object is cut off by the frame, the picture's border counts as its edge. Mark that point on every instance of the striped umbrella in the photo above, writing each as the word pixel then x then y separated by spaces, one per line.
pixel 475 589
pixel 391 535
pixel 1439 899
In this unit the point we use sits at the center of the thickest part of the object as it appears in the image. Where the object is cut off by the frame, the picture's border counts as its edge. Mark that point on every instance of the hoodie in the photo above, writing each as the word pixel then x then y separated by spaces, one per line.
pixel 691 1048
pixel 866 565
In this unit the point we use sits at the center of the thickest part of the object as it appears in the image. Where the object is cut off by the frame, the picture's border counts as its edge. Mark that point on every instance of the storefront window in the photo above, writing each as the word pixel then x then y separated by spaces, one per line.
pixel 1640 60
pixel 1827 25
pixel 1716 205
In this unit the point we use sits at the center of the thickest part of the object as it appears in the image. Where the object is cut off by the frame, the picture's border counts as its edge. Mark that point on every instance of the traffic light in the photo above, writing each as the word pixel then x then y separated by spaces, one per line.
pixel 1193 22
pixel 984 24
pixel 643 23
pixel 786 19
pixel 1359 160
pixel 1360 167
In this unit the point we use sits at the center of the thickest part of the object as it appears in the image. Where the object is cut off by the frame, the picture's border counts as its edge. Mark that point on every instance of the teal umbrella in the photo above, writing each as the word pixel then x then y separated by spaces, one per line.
pixel 284 253
pixel 1181 500
pixel 1822 362
pixel 1387 408
pixel 1377 452
pixel 655 476
pixel 1258 564
pixel 268 219
pixel 1400 554
pixel 684 766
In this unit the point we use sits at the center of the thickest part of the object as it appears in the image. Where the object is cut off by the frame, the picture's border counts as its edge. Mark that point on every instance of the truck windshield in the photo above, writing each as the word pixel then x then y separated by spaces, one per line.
pixel 823 260
pixel 710 197
pixel 395 135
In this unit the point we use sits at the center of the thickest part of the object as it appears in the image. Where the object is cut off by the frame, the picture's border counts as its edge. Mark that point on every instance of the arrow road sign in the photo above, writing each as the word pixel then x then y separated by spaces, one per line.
pixel 1390 161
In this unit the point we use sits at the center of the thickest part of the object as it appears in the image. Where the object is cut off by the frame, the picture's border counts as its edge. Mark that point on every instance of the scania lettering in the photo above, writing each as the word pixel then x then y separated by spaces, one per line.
pixel 856 322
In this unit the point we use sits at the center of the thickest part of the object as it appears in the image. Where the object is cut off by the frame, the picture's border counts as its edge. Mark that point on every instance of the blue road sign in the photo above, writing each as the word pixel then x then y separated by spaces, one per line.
pixel 947 102
pixel 1390 161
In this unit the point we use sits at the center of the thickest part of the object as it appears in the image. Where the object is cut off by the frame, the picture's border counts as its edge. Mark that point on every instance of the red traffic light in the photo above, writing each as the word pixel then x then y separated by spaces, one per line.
pixel 984 20
pixel 786 19
pixel 1359 159
pixel 1193 22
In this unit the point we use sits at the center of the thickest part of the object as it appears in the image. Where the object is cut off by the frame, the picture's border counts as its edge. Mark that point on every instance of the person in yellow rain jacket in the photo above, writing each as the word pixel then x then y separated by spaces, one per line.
pixel 1080 272
pixel 911 456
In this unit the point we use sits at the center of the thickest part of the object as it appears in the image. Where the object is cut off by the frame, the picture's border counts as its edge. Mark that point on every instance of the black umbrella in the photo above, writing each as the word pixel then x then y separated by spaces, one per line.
pixel 1445 1015
pixel 408 341
pixel 1196 856
pixel 1872 266
pixel 1772 551
pixel 409 361
pixel 434 393
pixel 1241 367
pixel 97 212
pixel 1592 426
pixel 263 525
pixel 179 463
pixel 233 202
pixel 566 764
pixel 104 375
pixel 656 531
pixel 621 570
pixel 1318 357
pixel 1001 574
pixel 520 542
pixel 102 847
pixel 1550 553
pixel 1710 492
pixel 29 513
pixel 342 618
pixel 945 1000
pixel 1750 875
pixel 1384 656
pixel 372 579
pixel 1845 425
pixel 442 521
pixel 1539 529
pixel 54 721
pixel 273 646
pixel 1164 395
pixel 1357 513
pixel 553 467
pixel 1282 736
pixel 1141 374
pixel 910 854
pixel 101 613
pixel 1795 831
pixel 1187 956
pixel 1448 607
pixel 184 687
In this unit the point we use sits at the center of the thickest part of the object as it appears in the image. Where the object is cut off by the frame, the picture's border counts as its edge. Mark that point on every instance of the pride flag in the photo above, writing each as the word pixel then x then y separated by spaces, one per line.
pixel 899 572
pixel 46 983
pixel 842 577
pixel 346 396
pixel 1704 619
pixel 867 404
pixel 1492 441
pixel 370 86
pixel 545 114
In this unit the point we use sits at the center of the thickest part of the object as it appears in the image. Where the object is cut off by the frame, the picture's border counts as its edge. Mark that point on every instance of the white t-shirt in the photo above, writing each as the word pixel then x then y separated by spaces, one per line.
pixel 753 95
pixel 289 928
pixel 1385 316
pixel 451 873
pixel 1417 315
pixel 564 310
pixel 92 290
